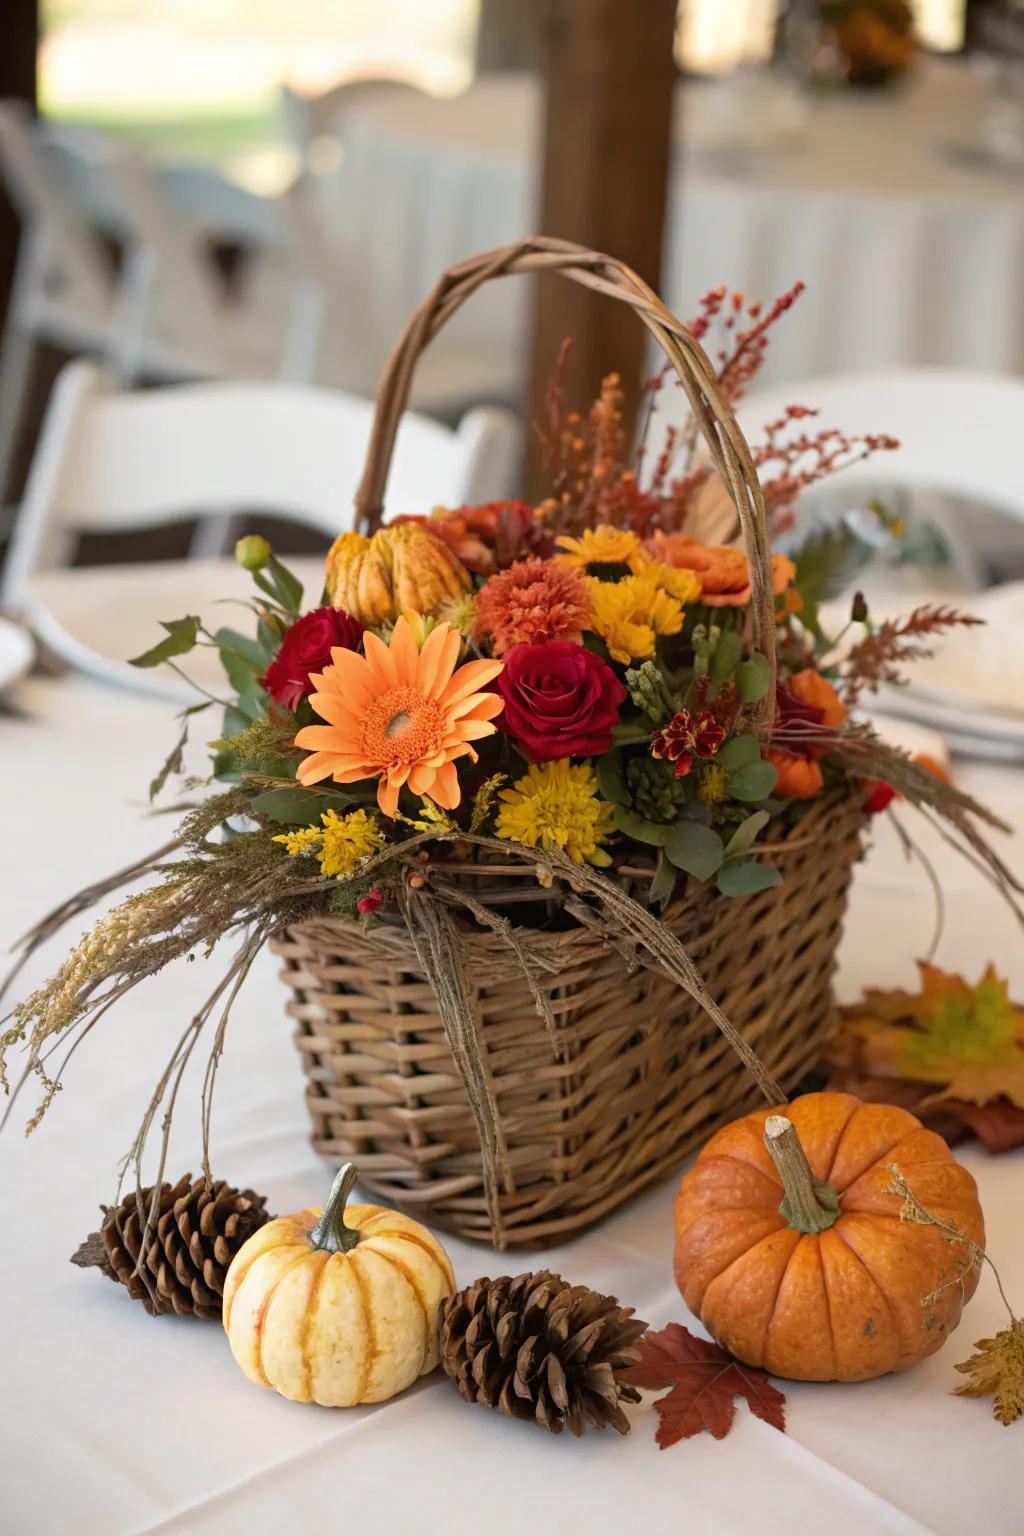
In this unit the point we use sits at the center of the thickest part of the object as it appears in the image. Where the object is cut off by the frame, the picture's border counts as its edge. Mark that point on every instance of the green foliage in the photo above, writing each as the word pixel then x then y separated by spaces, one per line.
pixel 631 824
pixel 655 792
pixel 752 678
pixel 174 762
pixel 650 692
pixel 738 752
pixel 743 838
pixel 296 806
pixel 745 877
pixel 695 849
pixel 278 582
pixel 182 635
pixel 754 781
pixel 263 746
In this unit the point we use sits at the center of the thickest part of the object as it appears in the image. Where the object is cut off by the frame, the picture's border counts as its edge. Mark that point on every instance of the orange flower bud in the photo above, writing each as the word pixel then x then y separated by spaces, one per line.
pixel 799 778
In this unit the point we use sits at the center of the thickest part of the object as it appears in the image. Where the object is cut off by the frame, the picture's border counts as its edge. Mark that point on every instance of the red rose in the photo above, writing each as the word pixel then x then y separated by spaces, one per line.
pixel 560 701
pixel 306 648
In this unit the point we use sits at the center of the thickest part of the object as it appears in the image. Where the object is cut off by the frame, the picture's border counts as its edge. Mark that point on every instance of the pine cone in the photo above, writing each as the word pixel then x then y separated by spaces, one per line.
pixel 539 1348
pixel 197 1232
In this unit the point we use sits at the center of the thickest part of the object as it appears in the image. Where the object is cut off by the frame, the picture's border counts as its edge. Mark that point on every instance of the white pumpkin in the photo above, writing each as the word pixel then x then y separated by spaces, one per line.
pixel 337 1307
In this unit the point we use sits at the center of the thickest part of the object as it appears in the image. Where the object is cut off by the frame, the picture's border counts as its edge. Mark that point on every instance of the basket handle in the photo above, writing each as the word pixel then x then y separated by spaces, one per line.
pixel 712 412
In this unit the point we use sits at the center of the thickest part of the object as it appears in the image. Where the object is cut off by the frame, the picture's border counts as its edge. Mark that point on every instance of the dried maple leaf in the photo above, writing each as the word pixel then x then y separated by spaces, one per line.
pixel 704 1381
pixel 997 1371
pixel 962 1046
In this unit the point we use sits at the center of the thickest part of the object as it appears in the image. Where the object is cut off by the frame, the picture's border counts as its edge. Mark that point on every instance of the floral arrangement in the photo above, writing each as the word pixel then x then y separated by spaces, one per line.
pixel 574 683
pixel 874 38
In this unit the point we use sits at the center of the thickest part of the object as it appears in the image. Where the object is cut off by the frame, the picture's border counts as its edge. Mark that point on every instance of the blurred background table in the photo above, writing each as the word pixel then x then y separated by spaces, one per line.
pixel 910 243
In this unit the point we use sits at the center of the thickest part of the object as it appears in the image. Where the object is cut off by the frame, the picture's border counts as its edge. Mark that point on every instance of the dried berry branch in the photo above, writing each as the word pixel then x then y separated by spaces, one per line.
pixel 878 657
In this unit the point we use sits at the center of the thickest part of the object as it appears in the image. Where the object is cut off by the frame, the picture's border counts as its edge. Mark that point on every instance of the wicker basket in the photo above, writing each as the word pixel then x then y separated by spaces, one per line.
pixel 638 1073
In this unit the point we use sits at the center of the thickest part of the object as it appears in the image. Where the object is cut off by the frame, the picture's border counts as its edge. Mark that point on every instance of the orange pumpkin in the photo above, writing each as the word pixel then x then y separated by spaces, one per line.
pixel 790 1247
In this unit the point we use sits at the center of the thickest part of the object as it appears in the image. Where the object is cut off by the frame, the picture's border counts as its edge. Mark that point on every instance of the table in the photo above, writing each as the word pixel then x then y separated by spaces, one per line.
pixel 117 1424
pixel 910 246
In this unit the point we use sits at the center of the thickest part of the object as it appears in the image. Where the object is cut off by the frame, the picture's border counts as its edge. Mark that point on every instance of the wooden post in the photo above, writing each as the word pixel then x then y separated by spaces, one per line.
pixel 20 29
pixel 609 77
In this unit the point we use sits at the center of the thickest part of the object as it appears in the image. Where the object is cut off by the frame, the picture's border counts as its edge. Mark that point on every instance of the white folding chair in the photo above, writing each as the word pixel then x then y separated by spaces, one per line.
pixel 307 121
pixel 63 290
pixel 111 460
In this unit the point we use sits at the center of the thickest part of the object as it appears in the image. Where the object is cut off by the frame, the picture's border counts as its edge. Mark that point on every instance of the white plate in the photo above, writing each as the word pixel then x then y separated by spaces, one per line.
pixel 972 689
pixel 17 653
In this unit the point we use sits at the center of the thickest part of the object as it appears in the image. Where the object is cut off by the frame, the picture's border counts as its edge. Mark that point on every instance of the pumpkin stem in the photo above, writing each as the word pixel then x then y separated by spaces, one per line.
pixel 330 1232
pixel 809 1204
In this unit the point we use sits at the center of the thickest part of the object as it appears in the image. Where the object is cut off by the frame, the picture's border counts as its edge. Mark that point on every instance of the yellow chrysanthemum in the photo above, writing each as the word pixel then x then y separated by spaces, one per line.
pixel 340 844
pixel 347 840
pixel 604 552
pixel 684 586
pixel 303 840
pixel 629 615
pixel 556 805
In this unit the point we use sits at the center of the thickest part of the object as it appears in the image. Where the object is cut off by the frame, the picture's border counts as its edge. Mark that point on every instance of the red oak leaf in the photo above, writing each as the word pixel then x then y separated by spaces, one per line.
pixel 704 1381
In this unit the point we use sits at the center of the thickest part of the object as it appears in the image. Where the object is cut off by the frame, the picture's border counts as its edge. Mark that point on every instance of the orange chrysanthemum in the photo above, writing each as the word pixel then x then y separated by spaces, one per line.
pixel 723 570
pixel 400 713
pixel 533 601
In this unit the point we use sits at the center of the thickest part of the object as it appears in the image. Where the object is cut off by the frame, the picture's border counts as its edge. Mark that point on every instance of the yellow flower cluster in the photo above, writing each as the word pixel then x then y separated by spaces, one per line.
pixel 340 845
pixel 556 805
pixel 635 598
pixel 629 615
pixel 602 552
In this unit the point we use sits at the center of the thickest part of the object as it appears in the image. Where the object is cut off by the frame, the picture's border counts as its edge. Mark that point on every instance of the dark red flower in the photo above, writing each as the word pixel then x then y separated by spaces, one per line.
pixel 369 903
pixel 306 648
pixel 560 701
pixel 798 725
pixel 880 793
pixel 687 736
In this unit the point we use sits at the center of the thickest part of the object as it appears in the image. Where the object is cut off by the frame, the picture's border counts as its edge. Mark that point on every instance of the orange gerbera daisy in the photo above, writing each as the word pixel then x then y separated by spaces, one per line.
pixel 400 713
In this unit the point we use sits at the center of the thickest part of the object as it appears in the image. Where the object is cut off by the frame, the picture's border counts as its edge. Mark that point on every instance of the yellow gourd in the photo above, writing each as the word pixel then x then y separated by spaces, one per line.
pixel 337 1307
pixel 400 567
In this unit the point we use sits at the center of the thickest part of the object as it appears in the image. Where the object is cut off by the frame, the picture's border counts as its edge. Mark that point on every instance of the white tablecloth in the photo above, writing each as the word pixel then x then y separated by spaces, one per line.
pixel 911 248
pixel 115 1424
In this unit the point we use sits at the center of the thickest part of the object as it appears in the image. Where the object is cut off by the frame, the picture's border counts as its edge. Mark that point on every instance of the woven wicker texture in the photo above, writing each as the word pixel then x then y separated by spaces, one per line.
pixel 643 1075
pixel 554 1139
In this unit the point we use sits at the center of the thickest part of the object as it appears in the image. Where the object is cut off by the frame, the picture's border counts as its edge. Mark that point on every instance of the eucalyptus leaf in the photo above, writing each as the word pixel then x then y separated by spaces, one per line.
pixel 663 884
pixel 637 827
pixel 697 850
pixel 743 838
pixel 752 678
pixel 611 780
pixel 738 752
pixel 296 806
pixel 181 638
pixel 754 781
pixel 245 645
pixel 252 700
pixel 745 877
pixel 726 656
